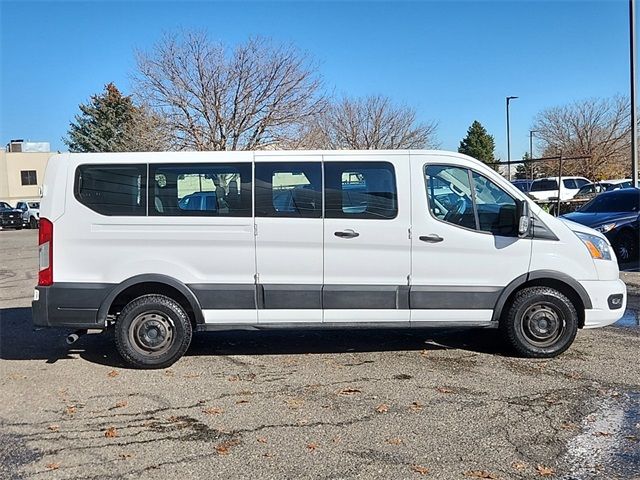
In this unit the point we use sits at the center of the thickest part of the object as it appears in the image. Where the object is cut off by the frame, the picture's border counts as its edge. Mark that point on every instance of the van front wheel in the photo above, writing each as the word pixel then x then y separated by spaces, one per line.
pixel 152 331
pixel 540 323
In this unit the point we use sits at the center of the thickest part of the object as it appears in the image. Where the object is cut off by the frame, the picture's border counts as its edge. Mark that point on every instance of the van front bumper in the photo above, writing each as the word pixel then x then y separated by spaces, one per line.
pixel 68 305
pixel 607 306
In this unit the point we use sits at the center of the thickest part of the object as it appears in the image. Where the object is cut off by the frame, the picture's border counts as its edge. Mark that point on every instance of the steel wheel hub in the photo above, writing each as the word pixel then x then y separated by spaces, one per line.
pixel 151 333
pixel 542 324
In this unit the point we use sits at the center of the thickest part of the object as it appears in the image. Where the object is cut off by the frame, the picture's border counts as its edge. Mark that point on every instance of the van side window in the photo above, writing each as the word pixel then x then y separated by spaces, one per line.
pixel 200 189
pixel 449 195
pixel 118 190
pixel 468 199
pixel 289 189
pixel 360 190
pixel 496 209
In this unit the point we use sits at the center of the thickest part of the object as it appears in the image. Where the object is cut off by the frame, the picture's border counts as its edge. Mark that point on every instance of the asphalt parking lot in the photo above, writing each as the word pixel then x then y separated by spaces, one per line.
pixel 352 404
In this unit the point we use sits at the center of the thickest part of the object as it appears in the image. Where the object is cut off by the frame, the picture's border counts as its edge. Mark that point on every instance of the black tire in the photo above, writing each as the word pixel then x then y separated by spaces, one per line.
pixel 152 331
pixel 33 223
pixel 626 246
pixel 540 322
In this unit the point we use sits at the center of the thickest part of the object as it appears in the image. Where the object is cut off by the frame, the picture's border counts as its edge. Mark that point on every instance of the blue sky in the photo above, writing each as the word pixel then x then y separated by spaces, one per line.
pixel 453 61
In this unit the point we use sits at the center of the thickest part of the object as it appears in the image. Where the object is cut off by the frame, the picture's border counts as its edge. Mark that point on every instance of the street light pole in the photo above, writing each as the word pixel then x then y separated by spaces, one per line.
pixel 531 132
pixel 634 113
pixel 509 140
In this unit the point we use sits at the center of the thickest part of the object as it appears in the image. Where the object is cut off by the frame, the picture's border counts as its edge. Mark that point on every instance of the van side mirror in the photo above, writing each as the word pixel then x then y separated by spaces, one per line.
pixel 523 217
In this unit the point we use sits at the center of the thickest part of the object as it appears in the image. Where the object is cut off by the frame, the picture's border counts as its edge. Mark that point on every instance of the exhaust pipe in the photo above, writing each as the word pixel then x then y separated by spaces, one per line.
pixel 73 337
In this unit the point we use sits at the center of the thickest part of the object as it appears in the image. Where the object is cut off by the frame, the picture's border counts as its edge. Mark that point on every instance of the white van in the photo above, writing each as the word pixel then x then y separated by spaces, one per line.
pixel 315 239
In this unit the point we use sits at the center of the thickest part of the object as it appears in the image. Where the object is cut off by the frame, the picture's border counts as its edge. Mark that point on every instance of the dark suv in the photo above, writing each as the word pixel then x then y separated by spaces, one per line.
pixel 10 217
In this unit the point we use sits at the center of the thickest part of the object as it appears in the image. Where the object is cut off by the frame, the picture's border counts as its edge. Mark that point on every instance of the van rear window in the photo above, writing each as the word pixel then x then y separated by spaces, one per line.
pixel 116 190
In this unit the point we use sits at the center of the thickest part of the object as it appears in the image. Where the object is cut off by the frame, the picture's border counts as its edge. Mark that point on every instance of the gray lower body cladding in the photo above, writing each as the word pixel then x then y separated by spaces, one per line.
pixel 76 305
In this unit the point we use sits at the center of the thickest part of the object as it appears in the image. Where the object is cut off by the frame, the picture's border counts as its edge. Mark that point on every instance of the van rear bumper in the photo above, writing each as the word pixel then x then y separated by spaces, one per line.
pixel 601 293
pixel 69 305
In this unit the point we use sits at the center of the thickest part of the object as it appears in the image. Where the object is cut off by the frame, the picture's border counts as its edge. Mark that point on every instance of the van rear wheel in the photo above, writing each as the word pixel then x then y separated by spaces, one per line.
pixel 152 331
pixel 540 323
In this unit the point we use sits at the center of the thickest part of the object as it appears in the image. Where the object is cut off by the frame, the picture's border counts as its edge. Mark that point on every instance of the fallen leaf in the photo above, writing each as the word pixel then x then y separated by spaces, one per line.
pixel 242 400
pixel 394 441
pixel 602 434
pixel 224 447
pixel 124 456
pixel 71 409
pixel 312 447
pixel 233 378
pixel 54 428
pixel 424 353
pixel 53 466
pixel 520 466
pixel 480 474
pixel 633 438
pixel 574 375
pixel 416 406
pixel 111 432
pixel 169 373
pixel 349 391
pixel 262 439
pixel 545 471
pixel 113 374
pixel 569 426
pixel 420 469
pixel 213 411
pixel 444 389
pixel 382 408
pixel 121 404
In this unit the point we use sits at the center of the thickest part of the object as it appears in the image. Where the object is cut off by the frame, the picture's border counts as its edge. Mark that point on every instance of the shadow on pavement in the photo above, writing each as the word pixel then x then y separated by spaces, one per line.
pixel 19 341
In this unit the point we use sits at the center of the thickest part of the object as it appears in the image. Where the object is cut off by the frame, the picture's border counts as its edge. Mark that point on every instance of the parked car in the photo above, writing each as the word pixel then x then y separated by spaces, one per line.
pixel 547 188
pixel 30 213
pixel 10 217
pixel 616 184
pixel 523 185
pixel 616 215
pixel 380 239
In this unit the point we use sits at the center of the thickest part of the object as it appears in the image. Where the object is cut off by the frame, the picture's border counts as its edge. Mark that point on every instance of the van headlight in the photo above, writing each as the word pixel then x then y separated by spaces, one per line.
pixel 598 247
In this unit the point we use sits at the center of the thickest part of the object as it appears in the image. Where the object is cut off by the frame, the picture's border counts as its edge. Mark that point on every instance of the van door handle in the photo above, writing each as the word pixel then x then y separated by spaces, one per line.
pixel 433 238
pixel 348 233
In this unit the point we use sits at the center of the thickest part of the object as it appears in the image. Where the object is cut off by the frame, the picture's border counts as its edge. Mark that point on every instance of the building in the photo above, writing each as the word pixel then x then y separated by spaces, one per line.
pixel 22 168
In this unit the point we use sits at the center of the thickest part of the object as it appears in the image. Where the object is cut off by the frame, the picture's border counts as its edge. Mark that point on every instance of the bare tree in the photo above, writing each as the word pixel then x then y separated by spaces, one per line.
pixel 597 128
pixel 146 132
pixel 368 123
pixel 254 96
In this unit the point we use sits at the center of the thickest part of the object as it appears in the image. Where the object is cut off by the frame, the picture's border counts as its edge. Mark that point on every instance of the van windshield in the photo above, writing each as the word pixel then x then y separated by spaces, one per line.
pixel 544 185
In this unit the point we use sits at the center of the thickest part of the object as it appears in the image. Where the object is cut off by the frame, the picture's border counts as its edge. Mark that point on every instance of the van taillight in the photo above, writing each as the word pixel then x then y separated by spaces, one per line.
pixel 45 253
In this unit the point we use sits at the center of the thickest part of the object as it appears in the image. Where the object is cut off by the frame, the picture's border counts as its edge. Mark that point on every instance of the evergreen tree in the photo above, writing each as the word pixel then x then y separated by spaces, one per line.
pixel 478 144
pixel 103 123
pixel 523 170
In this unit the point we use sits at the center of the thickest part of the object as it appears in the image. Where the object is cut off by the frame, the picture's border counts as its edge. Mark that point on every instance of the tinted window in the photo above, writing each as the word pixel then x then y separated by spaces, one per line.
pixel 496 209
pixel 586 189
pixel 28 177
pixel 569 183
pixel 625 200
pixel 544 185
pixel 449 195
pixel 34 204
pixel 289 189
pixel 581 182
pixel 204 189
pixel 5 206
pixel 360 190
pixel 112 189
